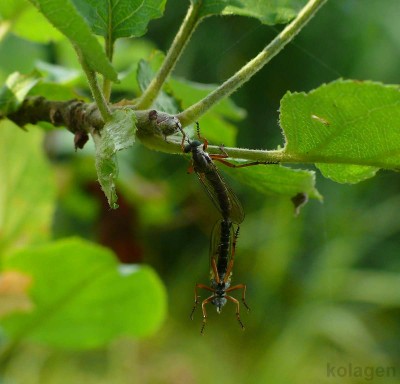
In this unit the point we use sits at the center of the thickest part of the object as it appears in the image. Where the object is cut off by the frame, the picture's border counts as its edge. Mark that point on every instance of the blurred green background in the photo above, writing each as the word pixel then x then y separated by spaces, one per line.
pixel 323 287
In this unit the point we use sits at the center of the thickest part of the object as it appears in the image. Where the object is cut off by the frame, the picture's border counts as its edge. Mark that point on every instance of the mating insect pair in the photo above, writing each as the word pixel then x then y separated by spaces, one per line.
pixel 224 236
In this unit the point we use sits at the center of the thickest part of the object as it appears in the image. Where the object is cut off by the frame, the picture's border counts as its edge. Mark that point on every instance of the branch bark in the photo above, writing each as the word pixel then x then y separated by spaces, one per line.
pixel 82 118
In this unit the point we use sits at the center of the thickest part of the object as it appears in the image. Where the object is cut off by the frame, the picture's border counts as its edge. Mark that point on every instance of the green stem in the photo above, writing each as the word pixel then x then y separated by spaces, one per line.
pixel 109 48
pixel 98 95
pixel 107 89
pixel 95 89
pixel 280 156
pixel 174 147
pixel 181 39
pixel 193 113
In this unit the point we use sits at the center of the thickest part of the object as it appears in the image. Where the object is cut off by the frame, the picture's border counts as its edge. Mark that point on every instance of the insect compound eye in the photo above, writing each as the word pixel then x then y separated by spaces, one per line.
pixel 196 143
pixel 193 144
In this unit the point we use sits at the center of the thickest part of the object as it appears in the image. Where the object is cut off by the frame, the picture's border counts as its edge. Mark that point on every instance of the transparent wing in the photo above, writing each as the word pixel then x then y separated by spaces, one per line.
pixel 221 194
pixel 214 244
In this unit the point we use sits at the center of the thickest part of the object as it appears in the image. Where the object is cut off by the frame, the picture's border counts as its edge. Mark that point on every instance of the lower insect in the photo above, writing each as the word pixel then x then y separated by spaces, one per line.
pixel 222 254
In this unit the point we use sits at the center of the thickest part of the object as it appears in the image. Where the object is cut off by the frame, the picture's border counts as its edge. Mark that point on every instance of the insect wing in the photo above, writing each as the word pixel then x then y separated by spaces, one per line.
pixel 237 215
pixel 214 245
pixel 236 212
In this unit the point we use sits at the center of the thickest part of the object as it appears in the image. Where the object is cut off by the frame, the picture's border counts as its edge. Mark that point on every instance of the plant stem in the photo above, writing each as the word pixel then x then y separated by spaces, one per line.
pixel 280 156
pixel 181 39
pixel 106 89
pixel 174 147
pixel 109 48
pixel 193 113
pixel 95 89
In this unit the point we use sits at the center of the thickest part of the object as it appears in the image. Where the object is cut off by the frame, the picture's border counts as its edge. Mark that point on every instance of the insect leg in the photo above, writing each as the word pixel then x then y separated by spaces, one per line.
pixel 201 138
pixel 203 307
pixel 243 287
pixel 179 126
pixel 196 296
pixel 222 160
pixel 224 155
pixel 237 308
pixel 215 270
pixel 190 169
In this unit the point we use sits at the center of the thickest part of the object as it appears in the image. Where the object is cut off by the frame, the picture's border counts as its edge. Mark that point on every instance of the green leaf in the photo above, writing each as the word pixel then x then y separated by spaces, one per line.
pixel 217 130
pixel 214 124
pixel 277 180
pixel 54 91
pixel 10 9
pixel 64 16
pixel 58 73
pixel 268 12
pixel 179 94
pixel 114 19
pixel 17 86
pixel 164 102
pixel 351 174
pixel 350 129
pixel 117 134
pixel 83 298
pixel 32 25
pixel 27 188
pixel 377 287
pixel 189 92
pixel 126 59
pixel 58 83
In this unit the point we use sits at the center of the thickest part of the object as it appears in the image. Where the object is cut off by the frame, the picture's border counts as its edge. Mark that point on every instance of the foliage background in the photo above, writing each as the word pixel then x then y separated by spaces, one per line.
pixel 323 287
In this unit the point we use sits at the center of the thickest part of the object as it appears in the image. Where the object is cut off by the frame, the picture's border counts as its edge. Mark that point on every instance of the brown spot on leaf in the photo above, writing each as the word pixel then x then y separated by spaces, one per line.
pixel 14 297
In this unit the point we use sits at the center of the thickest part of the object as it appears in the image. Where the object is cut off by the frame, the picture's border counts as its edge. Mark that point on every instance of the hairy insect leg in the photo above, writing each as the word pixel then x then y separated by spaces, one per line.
pixel 201 138
pixel 179 126
pixel 230 298
pixel 182 142
pixel 221 159
pixel 196 296
pixel 215 270
pixel 235 237
pixel 243 288
pixel 203 307
pixel 224 155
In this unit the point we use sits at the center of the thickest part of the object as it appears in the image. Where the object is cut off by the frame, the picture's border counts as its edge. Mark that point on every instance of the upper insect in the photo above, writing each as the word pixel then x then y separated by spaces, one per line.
pixel 224 199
